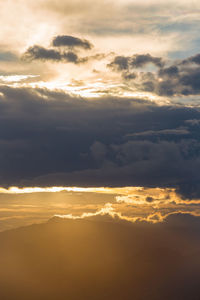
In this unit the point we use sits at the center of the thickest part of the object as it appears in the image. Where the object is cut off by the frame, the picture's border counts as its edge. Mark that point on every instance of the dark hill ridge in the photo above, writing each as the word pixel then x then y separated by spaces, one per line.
pixel 101 258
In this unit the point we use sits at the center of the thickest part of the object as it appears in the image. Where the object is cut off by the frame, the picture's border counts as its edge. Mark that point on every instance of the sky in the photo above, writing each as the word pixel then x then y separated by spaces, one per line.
pixel 99 109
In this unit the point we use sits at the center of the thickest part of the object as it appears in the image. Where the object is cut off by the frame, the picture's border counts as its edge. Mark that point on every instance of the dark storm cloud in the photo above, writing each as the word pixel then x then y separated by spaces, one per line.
pixel 50 138
pixel 40 53
pixel 189 189
pixel 70 41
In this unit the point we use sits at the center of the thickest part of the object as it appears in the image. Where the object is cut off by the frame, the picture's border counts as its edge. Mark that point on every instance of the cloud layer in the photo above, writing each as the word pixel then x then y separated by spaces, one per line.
pixel 49 138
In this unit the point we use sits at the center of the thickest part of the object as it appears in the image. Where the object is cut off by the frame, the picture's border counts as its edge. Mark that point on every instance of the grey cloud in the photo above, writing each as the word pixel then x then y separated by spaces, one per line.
pixel 149 199
pixel 184 82
pixel 172 82
pixel 170 71
pixel 40 53
pixel 98 150
pixel 75 141
pixel 129 76
pixel 179 79
pixel 122 63
pixel 48 54
pixel 193 59
pixel 140 60
pixel 72 42
pixel 71 57
pixel 189 189
pixel 196 59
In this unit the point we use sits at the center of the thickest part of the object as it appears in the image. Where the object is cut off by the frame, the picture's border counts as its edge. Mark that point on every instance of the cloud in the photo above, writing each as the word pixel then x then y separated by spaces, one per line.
pixel 71 42
pixel 170 71
pixel 149 199
pixel 139 61
pixel 181 219
pixel 181 78
pixel 177 80
pixel 16 78
pixel 136 61
pixel 56 140
pixel 40 53
pixel 193 59
pixel 57 54
pixel 120 63
pixel 189 189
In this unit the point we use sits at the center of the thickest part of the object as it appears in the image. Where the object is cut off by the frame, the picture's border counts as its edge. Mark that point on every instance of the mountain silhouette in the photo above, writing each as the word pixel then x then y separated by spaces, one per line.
pixel 102 258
